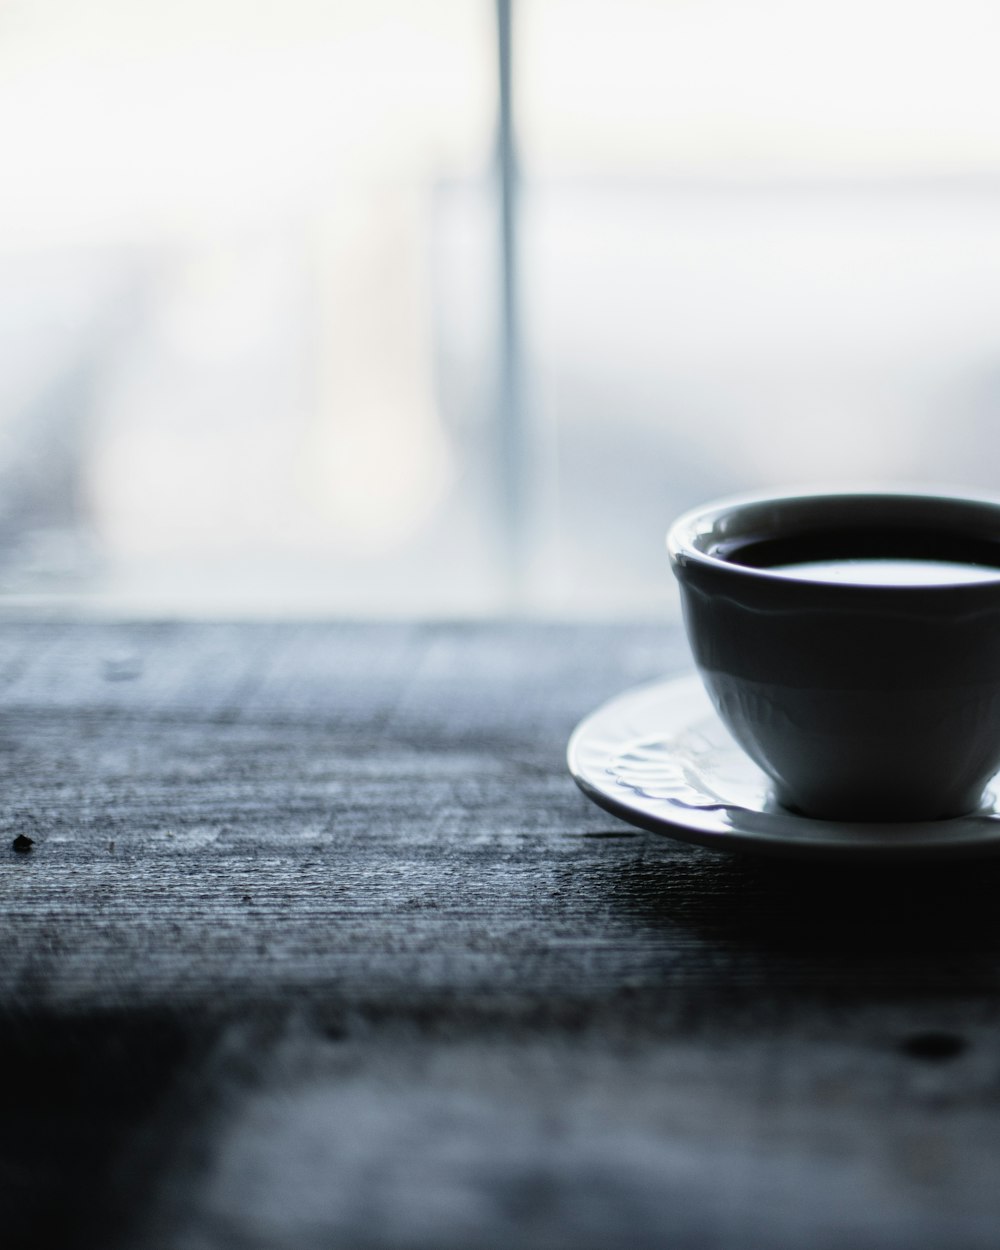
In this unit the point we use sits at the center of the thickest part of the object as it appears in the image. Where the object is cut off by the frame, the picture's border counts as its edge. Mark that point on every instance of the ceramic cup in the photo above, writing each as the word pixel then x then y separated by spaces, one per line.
pixel 860 698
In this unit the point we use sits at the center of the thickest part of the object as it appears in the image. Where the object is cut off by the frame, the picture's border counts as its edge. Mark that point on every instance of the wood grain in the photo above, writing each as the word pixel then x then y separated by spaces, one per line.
pixel 318 945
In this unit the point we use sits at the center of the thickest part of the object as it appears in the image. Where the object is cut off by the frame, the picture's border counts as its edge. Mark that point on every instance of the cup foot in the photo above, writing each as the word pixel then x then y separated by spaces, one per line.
pixel 883 810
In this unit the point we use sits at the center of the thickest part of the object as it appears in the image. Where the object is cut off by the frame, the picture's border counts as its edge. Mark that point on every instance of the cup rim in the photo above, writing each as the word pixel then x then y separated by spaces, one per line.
pixel 706 521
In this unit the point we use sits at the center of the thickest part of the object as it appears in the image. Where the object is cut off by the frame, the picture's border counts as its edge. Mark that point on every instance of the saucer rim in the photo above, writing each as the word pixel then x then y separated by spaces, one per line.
pixel 973 836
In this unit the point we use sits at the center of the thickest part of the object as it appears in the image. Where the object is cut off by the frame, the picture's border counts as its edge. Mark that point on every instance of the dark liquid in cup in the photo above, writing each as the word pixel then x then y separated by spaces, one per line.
pixel 903 557
pixel 889 572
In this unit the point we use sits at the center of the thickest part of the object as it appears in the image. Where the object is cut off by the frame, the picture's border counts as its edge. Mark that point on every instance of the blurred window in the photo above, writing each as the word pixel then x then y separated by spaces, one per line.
pixel 251 292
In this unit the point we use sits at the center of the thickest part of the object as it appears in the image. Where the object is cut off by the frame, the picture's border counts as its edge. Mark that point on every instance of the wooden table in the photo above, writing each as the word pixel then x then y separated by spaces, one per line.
pixel 317 945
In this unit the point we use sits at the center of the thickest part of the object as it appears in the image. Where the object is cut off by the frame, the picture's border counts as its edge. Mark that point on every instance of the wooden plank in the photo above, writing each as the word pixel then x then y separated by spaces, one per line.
pixel 374 973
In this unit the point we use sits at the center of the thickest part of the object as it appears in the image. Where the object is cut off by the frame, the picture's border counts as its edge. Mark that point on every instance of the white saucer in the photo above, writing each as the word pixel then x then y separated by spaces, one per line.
pixel 660 758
